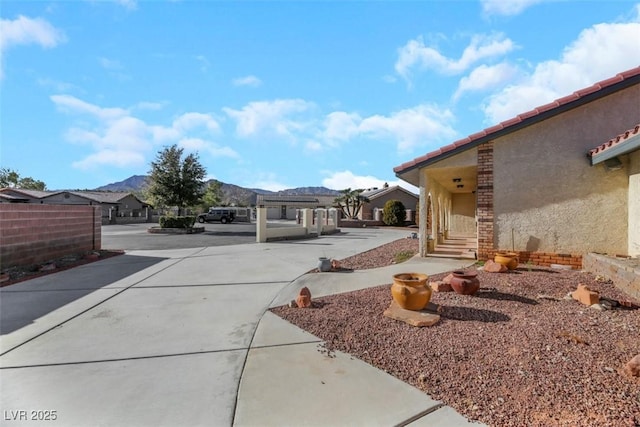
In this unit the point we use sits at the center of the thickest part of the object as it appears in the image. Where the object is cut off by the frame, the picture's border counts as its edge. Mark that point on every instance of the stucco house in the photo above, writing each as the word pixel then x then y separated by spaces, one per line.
pixel 113 203
pixel 372 210
pixel 287 206
pixel 553 183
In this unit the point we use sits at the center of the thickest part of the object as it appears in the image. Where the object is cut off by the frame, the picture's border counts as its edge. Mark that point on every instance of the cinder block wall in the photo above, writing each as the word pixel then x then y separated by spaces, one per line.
pixel 624 274
pixel 31 233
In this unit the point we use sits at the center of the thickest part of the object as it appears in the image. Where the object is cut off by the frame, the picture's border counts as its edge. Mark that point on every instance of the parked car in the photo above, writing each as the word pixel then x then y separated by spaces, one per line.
pixel 216 214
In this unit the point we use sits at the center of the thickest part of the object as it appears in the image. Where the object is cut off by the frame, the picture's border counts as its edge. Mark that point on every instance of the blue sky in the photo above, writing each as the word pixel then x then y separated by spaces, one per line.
pixel 277 94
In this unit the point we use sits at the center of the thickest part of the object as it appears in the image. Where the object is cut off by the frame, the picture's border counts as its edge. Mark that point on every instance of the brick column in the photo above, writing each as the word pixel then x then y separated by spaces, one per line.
pixel 485 200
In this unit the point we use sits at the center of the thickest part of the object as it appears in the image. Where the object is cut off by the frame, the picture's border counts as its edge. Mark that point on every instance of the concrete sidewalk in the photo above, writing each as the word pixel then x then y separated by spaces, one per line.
pixel 182 337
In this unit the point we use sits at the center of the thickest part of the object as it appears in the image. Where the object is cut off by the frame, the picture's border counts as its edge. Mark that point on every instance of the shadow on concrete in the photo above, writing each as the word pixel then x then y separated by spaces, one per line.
pixel 23 303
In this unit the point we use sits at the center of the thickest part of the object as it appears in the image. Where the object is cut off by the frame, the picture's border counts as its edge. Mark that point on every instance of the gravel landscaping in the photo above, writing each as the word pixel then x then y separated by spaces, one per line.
pixel 518 353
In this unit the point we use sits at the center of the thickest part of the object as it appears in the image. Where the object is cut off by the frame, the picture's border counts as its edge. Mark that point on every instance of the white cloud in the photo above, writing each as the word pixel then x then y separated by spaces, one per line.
pixel 412 127
pixel 69 103
pixel 275 117
pixel 598 53
pixel 26 31
pixel 347 179
pixel 416 55
pixel 486 77
pixel 200 145
pixel 146 105
pixel 204 63
pixel 506 7
pixel 118 158
pixel 408 128
pixel 109 64
pixel 341 126
pixel 128 4
pixel 252 81
pixel 119 139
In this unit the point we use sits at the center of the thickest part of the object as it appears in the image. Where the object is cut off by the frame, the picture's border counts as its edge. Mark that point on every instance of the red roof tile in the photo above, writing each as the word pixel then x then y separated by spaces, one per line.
pixel 615 141
pixel 509 125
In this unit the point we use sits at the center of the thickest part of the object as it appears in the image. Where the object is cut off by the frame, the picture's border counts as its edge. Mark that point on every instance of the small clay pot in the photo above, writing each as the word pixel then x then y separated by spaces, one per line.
pixel 410 290
pixel 508 259
pixel 465 282
pixel 324 264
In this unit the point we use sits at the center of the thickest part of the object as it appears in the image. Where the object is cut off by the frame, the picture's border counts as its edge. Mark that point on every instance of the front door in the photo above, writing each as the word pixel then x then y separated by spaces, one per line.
pixel 283 212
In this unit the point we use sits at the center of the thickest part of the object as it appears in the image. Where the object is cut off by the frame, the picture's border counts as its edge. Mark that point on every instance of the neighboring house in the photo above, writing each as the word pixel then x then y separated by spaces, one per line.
pixel 553 183
pixel 286 207
pixel 114 204
pixel 377 197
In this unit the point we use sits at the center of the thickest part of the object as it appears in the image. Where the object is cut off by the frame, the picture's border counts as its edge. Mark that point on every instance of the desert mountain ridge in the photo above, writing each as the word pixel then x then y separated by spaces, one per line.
pixel 231 194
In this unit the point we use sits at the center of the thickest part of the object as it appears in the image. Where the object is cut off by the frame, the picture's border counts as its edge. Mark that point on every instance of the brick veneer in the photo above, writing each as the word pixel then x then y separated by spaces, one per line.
pixel 31 233
pixel 484 196
pixel 543 258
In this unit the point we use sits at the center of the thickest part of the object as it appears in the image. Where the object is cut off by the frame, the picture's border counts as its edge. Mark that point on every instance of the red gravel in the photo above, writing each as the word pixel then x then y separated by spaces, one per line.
pixel 516 354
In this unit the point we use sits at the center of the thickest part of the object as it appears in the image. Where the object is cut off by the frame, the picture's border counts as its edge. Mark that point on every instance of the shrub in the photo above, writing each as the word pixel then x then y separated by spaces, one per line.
pixel 402 256
pixel 177 221
pixel 394 213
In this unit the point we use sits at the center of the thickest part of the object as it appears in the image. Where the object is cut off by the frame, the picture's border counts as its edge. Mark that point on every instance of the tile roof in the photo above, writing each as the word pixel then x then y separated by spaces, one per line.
pixel 598 90
pixel 378 192
pixel 36 194
pixel 615 142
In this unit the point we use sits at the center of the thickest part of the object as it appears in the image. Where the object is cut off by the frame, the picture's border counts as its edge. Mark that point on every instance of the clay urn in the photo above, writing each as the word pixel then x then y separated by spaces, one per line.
pixel 465 282
pixel 508 259
pixel 410 290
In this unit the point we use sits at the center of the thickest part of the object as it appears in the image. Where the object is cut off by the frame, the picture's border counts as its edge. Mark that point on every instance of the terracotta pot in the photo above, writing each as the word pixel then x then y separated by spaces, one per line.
pixel 410 290
pixel 508 259
pixel 465 282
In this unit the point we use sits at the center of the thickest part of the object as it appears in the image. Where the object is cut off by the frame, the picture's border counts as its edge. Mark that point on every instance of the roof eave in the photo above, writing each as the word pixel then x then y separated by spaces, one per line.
pixel 626 147
pixel 526 119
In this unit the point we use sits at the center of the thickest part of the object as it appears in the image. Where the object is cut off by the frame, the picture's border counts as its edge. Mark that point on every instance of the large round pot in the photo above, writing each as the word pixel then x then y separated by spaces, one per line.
pixel 410 290
pixel 324 264
pixel 508 259
pixel 465 282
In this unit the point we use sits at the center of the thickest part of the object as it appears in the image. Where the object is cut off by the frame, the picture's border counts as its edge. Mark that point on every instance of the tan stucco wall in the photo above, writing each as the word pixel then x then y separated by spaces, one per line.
pixel 463 214
pixel 546 194
pixel 634 204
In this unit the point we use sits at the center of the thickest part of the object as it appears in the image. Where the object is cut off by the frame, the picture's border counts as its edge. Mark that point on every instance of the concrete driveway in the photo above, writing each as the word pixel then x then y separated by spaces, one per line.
pixel 149 338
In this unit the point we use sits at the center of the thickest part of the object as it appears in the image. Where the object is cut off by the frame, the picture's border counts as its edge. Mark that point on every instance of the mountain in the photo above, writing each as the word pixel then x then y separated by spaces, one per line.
pixel 231 194
pixel 134 184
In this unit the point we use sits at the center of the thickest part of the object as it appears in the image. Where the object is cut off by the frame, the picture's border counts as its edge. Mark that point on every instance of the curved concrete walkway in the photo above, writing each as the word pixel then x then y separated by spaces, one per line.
pixel 183 338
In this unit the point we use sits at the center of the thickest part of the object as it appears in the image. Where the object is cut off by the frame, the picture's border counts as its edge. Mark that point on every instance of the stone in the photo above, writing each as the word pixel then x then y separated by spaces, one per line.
pixel 419 318
pixel 447 279
pixel 4 277
pixel 494 267
pixel 585 295
pixel 48 267
pixel 293 304
pixel 633 366
pixel 304 298
pixel 441 286
pixel 335 264
pixel 606 304
pixel 597 306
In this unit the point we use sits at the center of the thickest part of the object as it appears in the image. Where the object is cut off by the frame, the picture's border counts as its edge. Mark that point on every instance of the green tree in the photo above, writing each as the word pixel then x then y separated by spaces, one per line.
pixel 212 194
pixel 11 178
pixel 394 213
pixel 176 181
pixel 351 201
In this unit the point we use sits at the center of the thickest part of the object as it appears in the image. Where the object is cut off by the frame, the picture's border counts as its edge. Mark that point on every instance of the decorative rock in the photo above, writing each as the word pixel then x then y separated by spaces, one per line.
pixel 585 295
pixel 304 298
pixel 419 318
pixel 441 286
pixel 494 267
pixel 335 264
pixel 293 304
pixel 598 307
pixel 48 267
pixel 4 277
pixel 606 304
pixel 447 279
pixel 633 366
